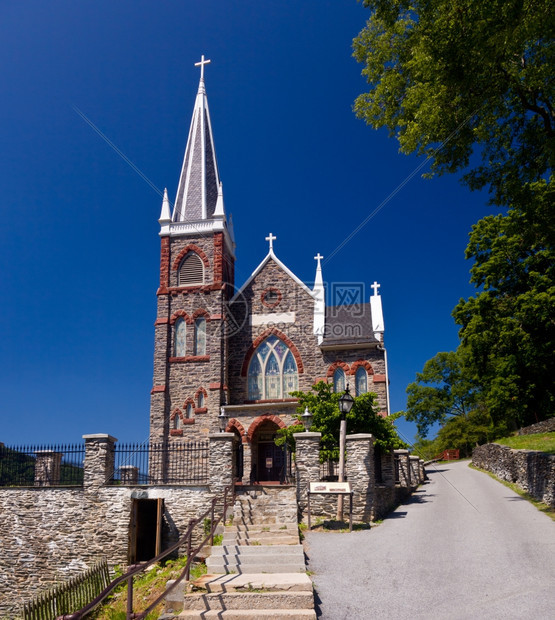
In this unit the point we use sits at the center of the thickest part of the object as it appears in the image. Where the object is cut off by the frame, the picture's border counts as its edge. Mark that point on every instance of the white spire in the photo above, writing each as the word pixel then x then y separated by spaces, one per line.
pixel 319 301
pixel 378 326
pixel 165 215
pixel 219 211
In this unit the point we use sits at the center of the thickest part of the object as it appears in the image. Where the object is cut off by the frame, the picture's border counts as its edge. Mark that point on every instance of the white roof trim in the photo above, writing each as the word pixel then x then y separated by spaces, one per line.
pixel 288 271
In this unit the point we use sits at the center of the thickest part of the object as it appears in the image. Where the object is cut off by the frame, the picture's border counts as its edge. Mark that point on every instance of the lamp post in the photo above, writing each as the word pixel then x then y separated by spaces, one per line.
pixel 306 419
pixel 222 419
pixel 345 406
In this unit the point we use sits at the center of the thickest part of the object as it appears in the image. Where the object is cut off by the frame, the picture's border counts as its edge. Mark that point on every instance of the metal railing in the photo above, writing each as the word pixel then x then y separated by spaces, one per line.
pixel 54 465
pixel 76 592
pixel 185 541
pixel 162 463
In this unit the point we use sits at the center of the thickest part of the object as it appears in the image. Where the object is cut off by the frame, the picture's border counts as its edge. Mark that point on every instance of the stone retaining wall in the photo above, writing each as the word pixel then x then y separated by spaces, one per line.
pixel 533 472
pixel 547 426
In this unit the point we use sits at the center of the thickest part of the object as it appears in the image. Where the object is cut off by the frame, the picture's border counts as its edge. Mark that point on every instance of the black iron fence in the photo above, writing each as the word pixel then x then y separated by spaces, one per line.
pixel 162 463
pixel 66 597
pixel 58 465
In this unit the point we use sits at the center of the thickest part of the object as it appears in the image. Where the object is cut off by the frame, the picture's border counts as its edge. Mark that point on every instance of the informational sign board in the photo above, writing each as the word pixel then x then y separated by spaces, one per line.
pixel 330 487
pixel 269 463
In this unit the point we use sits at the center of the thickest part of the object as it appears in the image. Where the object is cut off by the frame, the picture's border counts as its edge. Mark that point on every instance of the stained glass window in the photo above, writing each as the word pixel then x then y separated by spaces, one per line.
pixel 272 371
pixel 339 380
pixel 200 337
pixel 361 381
pixel 189 411
pixel 177 421
pixel 180 333
pixel 201 400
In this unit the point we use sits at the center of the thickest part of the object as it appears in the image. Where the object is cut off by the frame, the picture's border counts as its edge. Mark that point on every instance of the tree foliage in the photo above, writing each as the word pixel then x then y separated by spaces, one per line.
pixel 323 403
pixel 449 77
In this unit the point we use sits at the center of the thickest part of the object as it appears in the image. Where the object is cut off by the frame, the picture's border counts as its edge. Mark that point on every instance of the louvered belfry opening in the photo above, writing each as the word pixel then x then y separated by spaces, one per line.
pixel 191 270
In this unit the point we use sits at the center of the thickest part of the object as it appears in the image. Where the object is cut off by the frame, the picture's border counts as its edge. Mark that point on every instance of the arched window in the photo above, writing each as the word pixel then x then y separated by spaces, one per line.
pixel 180 337
pixel 200 400
pixel 189 411
pixel 191 270
pixel 361 381
pixel 272 371
pixel 177 422
pixel 339 380
pixel 200 337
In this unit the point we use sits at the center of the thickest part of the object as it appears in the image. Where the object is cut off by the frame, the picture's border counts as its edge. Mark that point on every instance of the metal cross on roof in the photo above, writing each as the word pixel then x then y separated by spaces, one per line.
pixel 201 65
pixel 375 286
pixel 271 238
pixel 318 257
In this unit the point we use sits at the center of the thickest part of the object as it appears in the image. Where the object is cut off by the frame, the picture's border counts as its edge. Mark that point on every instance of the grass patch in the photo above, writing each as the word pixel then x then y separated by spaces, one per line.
pixel 332 525
pixel 544 442
pixel 147 587
pixel 548 510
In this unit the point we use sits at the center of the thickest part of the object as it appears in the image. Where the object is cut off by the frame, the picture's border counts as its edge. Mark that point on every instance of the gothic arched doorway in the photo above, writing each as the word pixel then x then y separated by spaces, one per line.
pixel 269 462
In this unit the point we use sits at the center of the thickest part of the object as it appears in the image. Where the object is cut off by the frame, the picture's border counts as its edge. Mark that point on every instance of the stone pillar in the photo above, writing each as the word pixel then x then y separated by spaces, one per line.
pixel 47 468
pixel 99 460
pixel 129 474
pixel 307 464
pixel 414 470
pixel 360 473
pixel 422 470
pixel 220 461
pixel 388 469
pixel 402 457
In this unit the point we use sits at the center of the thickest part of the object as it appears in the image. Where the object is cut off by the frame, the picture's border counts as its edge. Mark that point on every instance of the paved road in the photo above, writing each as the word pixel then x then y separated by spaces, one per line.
pixel 464 547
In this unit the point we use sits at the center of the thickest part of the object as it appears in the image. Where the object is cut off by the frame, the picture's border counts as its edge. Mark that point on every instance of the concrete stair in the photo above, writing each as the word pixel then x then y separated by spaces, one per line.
pixel 259 570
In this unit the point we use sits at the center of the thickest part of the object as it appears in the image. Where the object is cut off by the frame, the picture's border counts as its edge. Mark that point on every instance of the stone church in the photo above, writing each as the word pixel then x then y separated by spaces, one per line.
pixel 242 348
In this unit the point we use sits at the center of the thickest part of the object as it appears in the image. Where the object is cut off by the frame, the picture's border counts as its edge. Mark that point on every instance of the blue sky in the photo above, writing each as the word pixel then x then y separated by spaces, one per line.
pixel 79 243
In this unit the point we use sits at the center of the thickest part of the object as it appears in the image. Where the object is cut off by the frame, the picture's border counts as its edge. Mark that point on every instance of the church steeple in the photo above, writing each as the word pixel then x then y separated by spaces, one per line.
pixel 199 183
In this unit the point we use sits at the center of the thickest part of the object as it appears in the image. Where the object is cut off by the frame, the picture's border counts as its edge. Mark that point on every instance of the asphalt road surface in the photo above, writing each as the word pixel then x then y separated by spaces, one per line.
pixel 463 547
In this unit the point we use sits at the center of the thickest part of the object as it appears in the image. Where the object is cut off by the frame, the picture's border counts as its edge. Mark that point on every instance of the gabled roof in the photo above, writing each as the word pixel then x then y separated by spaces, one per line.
pixel 272 256
pixel 197 192
pixel 349 325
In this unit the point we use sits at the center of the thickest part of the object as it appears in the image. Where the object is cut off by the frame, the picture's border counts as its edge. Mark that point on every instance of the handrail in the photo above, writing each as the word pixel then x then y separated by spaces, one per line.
pixel 138 568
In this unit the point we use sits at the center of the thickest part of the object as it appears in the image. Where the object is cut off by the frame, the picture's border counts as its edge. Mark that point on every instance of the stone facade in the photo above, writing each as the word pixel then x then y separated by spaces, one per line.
pixel 533 472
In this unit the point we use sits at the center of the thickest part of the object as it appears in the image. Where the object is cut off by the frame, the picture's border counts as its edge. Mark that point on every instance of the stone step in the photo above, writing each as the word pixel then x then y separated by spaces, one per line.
pixel 258 540
pixel 251 614
pixel 248 600
pixel 267 582
pixel 252 567
pixel 270 527
pixel 292 550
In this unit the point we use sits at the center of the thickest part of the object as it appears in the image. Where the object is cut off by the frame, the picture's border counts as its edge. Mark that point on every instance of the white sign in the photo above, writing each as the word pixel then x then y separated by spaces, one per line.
pixel 330 487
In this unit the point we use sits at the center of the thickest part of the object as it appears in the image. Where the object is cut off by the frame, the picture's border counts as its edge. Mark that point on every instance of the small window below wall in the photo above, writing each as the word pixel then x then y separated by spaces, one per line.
pixel 180 337
pixel 201 400
pixel 177 422
pixel 189 411
pixel 200 337
pixel 361 381
pixel 339 380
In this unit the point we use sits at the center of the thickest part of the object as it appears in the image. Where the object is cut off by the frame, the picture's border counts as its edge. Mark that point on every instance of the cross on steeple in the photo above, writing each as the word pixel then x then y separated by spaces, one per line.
pixel 375 286
pixel 271 238
pixel 318 257
pixel 201 65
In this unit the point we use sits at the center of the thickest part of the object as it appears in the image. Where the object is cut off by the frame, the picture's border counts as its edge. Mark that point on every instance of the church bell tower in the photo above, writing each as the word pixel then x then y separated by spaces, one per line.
pixel 196 280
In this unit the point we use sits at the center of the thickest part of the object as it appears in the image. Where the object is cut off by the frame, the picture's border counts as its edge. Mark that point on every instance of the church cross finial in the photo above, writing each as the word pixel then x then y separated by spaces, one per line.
pixel 375 286
pixel 201 65
pixel 271 238
pixel 318 257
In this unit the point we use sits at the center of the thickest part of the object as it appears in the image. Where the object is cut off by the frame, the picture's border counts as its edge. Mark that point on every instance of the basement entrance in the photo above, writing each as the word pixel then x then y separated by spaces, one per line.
pixel 145 531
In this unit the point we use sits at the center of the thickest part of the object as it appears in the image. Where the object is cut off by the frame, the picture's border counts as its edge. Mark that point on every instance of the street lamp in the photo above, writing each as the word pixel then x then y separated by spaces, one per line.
pixel 306 419
pixel 345 405
pixel 222 419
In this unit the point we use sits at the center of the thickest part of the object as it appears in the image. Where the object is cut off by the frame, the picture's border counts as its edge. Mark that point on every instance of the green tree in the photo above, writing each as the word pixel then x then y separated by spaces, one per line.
pixel 450 77
pixel 464 433
pixel 323 403
pixel 508 328
pixel 442 390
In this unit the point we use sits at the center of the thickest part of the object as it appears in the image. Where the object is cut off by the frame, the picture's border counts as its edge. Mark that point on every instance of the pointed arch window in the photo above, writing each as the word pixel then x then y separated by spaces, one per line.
pixel 191 270
pixel 200 400
pixel 189 411
pixel 177 422
pixel 272 371
pixel 180 337
pixel 339 380
pixel 200 336
pixel 361 381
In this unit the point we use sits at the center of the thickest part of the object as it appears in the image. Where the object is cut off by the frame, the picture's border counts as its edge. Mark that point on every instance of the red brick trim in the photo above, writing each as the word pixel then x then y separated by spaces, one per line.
pixel 189 421
pixel 199 391
pixel 365 364
pixel 379 378
pixel 161 322
pixel 189 358
pixel 279 297
pixel 180 313
pixel 260 420
pixel 176 432
pixel 190 248
pixel 203 288
pixel 216 317
pixel 158 388
pixel 200 312
pixel 215 386
pixel 273 400
pixel 218 256
pixel 234 423
pixel 265 334
pixel 383 414
pixel 164 265
pixel 201 410
pixel 318 379
pixel 337 364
